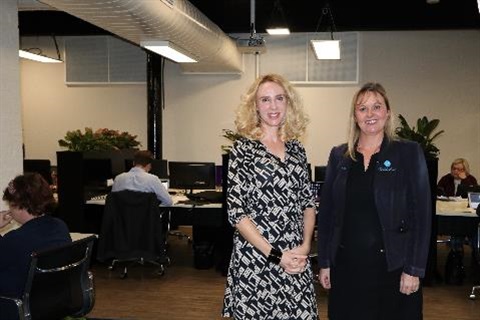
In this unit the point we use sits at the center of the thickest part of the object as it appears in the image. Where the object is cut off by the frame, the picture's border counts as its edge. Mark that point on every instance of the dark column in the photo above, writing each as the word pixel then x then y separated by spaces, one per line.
pixel 155 101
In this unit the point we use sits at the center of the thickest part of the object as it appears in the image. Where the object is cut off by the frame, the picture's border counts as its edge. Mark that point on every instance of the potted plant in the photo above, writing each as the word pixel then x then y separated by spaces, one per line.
pixel 423 134
pixel 100 140
pixel 232 136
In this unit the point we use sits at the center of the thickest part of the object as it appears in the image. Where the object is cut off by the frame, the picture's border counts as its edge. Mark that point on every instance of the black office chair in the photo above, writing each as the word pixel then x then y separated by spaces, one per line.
pixel 132 231
pixel 477 256
pixel 59 283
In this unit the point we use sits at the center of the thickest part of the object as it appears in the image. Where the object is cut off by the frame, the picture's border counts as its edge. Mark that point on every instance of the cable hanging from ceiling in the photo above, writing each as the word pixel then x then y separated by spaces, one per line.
pixel 326 49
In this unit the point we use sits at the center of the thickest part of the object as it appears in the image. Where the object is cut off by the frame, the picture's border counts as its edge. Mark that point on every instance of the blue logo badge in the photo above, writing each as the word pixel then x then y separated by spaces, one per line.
pixel 387 167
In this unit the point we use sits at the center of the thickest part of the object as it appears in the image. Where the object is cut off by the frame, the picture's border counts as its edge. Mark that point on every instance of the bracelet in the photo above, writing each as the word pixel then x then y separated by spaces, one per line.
pixel 275 256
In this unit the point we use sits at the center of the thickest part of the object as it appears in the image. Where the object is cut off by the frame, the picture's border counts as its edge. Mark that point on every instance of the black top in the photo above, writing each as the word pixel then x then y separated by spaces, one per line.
pixel 402 200
pixel 361 229
pixel 17 246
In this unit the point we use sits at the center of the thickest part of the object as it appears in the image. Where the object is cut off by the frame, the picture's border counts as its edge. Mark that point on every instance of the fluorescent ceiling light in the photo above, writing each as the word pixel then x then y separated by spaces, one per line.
pixel 278 31
pixel 168 50
pixel 326 49
pixel 37 57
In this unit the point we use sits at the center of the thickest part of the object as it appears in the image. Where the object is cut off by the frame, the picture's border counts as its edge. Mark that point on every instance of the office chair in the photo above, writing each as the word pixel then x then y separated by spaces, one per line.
pixel 477 255
pixel 132 231
pixel 58 284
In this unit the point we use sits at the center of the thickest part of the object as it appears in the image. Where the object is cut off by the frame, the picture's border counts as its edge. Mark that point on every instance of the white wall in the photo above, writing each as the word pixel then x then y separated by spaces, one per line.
pixel 432 73
pixel 10 111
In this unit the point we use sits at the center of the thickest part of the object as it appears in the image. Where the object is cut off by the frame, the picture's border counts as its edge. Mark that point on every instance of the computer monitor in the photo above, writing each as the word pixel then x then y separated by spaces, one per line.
pixel 40 166
pixel 96 172
pixel 218 175
pixel 128 164
pixel 463 190
pixel 191 175
pixel 159 167
pixel 320 172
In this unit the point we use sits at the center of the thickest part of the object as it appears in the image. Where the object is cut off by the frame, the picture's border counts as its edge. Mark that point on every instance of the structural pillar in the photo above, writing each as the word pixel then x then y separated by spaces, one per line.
pixel 155 102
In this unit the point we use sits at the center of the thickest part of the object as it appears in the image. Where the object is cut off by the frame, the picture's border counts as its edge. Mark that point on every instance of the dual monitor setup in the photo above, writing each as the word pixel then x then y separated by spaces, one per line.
pixel 180 174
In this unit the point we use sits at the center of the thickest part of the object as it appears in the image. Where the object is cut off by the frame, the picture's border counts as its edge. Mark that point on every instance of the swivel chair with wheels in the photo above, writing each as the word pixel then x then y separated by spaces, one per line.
pixel 59 284
pixel 477 256
pixel 132 231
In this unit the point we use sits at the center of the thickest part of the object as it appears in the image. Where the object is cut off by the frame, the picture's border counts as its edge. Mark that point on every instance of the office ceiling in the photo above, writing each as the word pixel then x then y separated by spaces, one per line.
pixel 233 16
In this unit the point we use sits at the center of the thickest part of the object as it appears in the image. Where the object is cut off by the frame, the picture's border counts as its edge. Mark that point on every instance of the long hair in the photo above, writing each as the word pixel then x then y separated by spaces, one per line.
pixel 247 121
pixel 354 129
pixel 30 192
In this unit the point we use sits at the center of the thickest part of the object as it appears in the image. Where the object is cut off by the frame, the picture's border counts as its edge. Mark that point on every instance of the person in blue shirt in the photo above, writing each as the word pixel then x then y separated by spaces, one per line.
pixel 30 201
pixel 139 178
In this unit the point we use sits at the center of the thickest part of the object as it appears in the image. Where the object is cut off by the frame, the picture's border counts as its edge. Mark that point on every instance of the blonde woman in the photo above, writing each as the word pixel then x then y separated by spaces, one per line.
pixel 272 208
pixel 374 218
pixel 459 175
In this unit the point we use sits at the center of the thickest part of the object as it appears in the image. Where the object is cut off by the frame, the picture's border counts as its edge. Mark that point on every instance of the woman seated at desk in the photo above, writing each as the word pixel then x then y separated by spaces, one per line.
pixel 450 186
pixel 30 200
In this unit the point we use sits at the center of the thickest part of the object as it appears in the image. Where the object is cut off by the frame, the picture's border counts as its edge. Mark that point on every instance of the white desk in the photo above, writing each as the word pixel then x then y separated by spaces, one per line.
pixel 178 200
pixel 11 226
pixel 14 225
pixel 456 218
pixel 456 208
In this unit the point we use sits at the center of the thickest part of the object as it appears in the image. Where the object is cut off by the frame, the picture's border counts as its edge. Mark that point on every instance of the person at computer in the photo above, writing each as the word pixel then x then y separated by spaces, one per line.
pixel 459 175
pixel 272 208
pixel 374 218
pixel 30 201
pixel 448 186
pixel 139 179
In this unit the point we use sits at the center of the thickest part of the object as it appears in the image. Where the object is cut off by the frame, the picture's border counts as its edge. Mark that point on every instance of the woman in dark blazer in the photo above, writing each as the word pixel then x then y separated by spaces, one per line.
pixel 374 218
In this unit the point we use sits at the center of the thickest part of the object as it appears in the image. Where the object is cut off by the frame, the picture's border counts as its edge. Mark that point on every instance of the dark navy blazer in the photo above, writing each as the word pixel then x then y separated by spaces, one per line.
pixel 402 198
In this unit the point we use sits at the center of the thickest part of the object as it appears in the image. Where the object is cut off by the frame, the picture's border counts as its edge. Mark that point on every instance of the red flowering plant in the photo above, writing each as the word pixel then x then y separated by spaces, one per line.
pixel 100 140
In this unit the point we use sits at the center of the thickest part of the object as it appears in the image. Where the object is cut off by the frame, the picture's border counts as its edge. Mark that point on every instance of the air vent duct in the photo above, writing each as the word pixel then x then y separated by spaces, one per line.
pixel 177 21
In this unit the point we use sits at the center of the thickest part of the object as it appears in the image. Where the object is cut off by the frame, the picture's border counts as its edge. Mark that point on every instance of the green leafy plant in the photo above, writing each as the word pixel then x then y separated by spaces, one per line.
pixel 423 134
pixel 230 135
pixel 99 140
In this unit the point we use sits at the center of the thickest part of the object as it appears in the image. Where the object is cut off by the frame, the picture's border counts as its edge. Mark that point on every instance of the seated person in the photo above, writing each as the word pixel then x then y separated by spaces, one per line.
pixel 138 178
pixel 459 174
pixel 30 201
pixel 448 186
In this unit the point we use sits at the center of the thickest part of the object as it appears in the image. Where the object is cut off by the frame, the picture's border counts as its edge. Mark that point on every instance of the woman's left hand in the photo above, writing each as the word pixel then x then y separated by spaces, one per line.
pixel 293 262
pixel 409 284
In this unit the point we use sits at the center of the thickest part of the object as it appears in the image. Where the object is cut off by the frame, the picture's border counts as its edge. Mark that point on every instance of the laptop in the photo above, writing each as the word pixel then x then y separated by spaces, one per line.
pixel 473 199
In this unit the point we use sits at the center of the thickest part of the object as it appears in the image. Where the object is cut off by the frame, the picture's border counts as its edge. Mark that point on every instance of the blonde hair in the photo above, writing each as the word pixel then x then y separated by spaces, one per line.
pixel 464 163
pixel 354 129
pixel 247 121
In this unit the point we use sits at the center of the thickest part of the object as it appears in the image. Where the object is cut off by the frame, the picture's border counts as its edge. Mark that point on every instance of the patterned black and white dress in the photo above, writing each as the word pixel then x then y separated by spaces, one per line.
pixel 273 194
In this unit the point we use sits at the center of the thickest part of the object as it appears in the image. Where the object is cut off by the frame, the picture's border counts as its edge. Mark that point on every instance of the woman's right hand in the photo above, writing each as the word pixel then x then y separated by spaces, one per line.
pixel 324 278
pixel 5 218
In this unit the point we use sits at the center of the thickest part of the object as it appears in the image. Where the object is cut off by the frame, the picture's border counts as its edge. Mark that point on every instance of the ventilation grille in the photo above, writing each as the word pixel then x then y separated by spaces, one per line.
pixel 293 57
pixel 103 60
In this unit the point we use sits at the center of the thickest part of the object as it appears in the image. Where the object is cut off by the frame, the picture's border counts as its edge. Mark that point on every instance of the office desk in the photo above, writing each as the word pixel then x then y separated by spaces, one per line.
pixel 14 225
pixel 211 231
pixel 455 218
pixel 191 214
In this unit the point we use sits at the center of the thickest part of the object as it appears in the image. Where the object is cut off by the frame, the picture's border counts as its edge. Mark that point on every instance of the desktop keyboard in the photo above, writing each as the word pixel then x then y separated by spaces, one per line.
pixel 99 197
pixel 209 196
